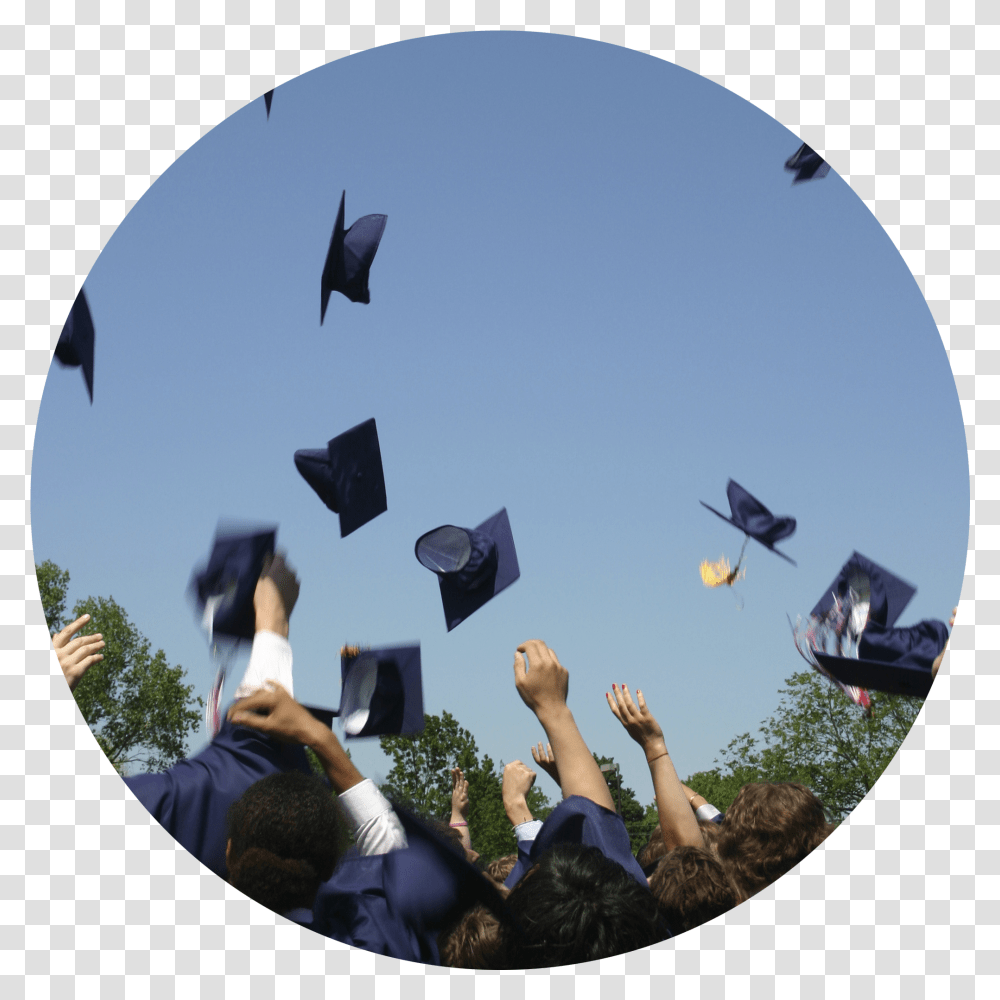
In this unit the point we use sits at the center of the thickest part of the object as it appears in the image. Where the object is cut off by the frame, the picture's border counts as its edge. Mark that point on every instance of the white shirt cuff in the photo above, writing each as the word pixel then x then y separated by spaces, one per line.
pixel 707 811
pixel 270 660
pixel 527 831
pixel 370 817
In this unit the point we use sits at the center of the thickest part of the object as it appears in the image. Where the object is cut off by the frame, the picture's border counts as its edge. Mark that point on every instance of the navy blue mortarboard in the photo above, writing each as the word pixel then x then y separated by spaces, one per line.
pixel 894 660
pixel 381 691
pixel 807 164
pixel 473 565
pixel 267 102
pixel 224 590
pixel 76 342
pixel 348 476
pixel 889 594
pixel 753 518
pixel 350 257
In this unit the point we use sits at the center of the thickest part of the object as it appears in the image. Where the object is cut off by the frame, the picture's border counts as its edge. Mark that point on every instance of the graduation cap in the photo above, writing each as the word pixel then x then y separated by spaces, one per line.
pixel 888 594
pixel 267 102
pixel 76 342
pixel 472 565
pixel 755 520
pixel 381 693
pixel 893 660
pixel 807 164
pixel 348 476
pixel 224 589
pixel 350 257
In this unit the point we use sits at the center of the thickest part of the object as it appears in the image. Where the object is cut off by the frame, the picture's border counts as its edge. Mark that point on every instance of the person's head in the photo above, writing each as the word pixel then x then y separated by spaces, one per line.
pixel 285 839
pixel 502 867
pixel 767 831
pixel 575 906
pixel 691 886
pixel 473 943
pixel 653 850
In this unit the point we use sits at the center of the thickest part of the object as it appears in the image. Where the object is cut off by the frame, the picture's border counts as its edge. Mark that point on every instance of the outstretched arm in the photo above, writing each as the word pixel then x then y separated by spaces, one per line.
pixel 543 683
pixel 677 819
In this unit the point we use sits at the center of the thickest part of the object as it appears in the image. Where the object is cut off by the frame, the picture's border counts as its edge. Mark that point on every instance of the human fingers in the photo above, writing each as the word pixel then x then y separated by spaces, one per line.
pixel 60 639
pixel 629 704
pixel 263 699
pixel 77 651
pixel 640 701
pixel 548 753
pixel 520 670
pixel 82 642
pixel 613 705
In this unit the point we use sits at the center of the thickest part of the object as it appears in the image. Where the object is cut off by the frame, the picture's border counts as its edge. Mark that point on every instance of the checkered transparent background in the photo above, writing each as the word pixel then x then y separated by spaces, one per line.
pixel 97 99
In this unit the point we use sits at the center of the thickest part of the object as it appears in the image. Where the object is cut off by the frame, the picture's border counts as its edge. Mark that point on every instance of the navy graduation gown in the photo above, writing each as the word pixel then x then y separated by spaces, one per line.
pixel 191 799
pixel 578 820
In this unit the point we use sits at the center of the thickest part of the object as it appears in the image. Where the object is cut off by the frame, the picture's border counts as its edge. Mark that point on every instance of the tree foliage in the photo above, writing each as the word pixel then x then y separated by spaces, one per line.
pixel 135 703
pixel 420 780
pixel 817 737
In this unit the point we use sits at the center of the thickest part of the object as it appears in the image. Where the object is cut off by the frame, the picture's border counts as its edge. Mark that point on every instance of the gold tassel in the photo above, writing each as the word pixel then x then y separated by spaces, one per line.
pixel 718 574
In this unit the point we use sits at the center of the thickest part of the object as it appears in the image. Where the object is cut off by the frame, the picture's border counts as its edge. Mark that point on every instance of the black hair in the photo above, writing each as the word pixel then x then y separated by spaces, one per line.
pixel 576 906
pixel 285 840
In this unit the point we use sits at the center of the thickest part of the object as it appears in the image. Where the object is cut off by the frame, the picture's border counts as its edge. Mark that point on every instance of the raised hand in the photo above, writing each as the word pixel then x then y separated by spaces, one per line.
pixel 542 682
pixel 546 760
pixel 275 596
pixel 517 781
pixel 77 656
pixel 637 719
pixel 459 795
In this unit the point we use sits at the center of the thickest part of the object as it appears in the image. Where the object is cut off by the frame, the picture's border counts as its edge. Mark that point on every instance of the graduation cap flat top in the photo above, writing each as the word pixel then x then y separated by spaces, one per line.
pixel 381 693
pixel 350 257
pixel 76 342
pixel 753 518
pixel 224 589
pixel 473 565
pixel 889 594
pixel 347 475
pixel 807 164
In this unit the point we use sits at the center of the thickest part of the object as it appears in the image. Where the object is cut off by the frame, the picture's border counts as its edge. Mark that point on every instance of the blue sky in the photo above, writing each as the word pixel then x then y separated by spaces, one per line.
pixel 598 297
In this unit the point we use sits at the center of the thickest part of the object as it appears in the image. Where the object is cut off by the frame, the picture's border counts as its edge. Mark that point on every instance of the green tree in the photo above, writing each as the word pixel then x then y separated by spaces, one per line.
pixel 420 780
pixel 640 821
pixel 817 737
pixel 135 703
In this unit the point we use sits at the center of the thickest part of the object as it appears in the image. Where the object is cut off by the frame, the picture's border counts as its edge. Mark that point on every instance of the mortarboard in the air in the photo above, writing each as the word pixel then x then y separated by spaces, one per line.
pixel 807 164
pixel 472 564
pixel 224 589
pixel 348 475
pixel 381 693
pixel 267 102
pixel 889 594
pixel 350 257
pixel 76 342
pixel 754 519
pixel 893 660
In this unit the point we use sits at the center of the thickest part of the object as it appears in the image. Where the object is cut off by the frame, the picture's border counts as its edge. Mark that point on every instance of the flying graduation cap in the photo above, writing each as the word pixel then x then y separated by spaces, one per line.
pixel 350 257
pixel 807 164
pixel 860 608
pixel 752 518
pixel 381 692
pixel 472 565
pixel 267 102
pixel 224 589
pixel 347 475
pixel 76 342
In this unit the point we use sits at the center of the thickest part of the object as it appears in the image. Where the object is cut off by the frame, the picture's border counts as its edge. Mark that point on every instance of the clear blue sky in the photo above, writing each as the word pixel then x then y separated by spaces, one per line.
pixel 597 298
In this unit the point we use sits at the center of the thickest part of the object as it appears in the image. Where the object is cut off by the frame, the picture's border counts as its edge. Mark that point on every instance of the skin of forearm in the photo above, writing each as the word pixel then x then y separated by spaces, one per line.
pixel 516 807
pixel 677 819
pixel 337 765
pixel 579 773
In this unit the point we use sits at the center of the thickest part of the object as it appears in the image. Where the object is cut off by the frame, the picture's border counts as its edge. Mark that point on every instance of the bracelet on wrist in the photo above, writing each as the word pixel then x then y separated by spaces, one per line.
pixel 463 823
pixel 666 753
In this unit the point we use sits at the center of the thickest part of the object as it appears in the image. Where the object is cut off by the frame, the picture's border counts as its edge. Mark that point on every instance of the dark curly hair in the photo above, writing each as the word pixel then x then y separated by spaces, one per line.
pixel 767 831
pixel 692 887
pixel 576 906
pixel 285 839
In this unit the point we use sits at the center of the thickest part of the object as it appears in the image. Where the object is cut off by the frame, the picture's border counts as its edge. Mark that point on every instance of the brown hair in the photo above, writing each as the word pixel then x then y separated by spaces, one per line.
pixel 653 850
pixel 472 943
pixel 692 886
pixel 767 831
pixel 502 867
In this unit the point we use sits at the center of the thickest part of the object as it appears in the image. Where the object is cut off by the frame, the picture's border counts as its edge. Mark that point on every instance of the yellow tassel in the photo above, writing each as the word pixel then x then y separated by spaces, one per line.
pixel 718 574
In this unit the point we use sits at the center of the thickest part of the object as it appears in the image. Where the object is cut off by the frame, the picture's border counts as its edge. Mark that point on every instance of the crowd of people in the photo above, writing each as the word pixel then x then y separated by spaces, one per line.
pixel 335 856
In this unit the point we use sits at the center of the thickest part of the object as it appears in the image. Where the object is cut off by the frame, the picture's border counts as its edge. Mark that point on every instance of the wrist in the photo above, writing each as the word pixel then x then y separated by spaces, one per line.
pixel 553 715
pixel 654 750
